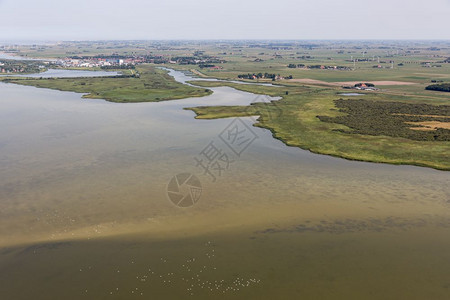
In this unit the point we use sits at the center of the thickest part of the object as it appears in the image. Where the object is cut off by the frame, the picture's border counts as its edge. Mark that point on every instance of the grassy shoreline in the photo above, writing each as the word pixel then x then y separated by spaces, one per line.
pixel 152 85
pixel 293 120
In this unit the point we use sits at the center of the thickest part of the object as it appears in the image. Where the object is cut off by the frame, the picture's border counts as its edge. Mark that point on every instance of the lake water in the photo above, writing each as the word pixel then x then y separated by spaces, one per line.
pixel 62 73
pixel 184 77
pixel 55 73
pixel 8 56
pixel 84 211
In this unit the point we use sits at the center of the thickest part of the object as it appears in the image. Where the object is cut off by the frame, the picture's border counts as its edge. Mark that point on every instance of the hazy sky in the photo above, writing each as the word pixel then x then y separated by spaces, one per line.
pixel 226 19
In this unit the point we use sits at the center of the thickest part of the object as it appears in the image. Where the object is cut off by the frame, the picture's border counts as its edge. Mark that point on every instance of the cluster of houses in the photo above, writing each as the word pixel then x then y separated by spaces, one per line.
pixel 198 59
pixel 263 76
pixel 99 62
pixel 361 86
pixel 119 61
pixel 430 65
pixel 12 70
pixel 321 67
pixel 13 67
pixel 365 87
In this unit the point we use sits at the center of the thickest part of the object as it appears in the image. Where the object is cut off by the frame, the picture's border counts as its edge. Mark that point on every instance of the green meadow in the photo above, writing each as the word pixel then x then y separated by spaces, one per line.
pixel 293 119
pixel 152 85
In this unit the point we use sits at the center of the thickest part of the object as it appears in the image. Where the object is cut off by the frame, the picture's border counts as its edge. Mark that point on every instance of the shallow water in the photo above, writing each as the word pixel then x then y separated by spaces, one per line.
pixel 4 55
pixel 61 73
pixel 184 77
pixel 84 211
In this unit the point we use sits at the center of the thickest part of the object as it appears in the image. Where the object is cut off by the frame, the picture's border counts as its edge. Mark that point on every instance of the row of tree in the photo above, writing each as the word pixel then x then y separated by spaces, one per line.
pixel 443 87
pixel 366 84
pixel 258 76
pixel 293 66
pixel 121 67
pixel 263 76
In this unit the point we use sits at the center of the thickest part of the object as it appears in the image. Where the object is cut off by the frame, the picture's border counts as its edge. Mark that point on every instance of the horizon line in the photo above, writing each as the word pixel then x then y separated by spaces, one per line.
pixel 224 39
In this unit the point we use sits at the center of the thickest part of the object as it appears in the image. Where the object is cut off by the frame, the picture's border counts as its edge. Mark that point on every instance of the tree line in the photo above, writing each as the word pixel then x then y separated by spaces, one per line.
pixel 443 87
pixel 262 76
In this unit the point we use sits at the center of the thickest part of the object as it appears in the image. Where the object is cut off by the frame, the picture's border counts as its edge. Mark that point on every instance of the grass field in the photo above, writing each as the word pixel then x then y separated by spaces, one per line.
pixel 294 121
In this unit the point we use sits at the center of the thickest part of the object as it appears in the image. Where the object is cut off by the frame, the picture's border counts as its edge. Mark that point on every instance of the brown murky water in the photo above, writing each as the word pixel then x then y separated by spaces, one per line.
pixel 84 212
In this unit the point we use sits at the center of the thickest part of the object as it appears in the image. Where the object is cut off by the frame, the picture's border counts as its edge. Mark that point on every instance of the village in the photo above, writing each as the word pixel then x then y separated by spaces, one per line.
pixel 8 66
pixel 92 62
pixel 204 61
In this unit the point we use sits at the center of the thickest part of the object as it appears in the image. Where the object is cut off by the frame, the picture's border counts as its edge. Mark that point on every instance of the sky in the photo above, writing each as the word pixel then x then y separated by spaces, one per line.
pixel 55 20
